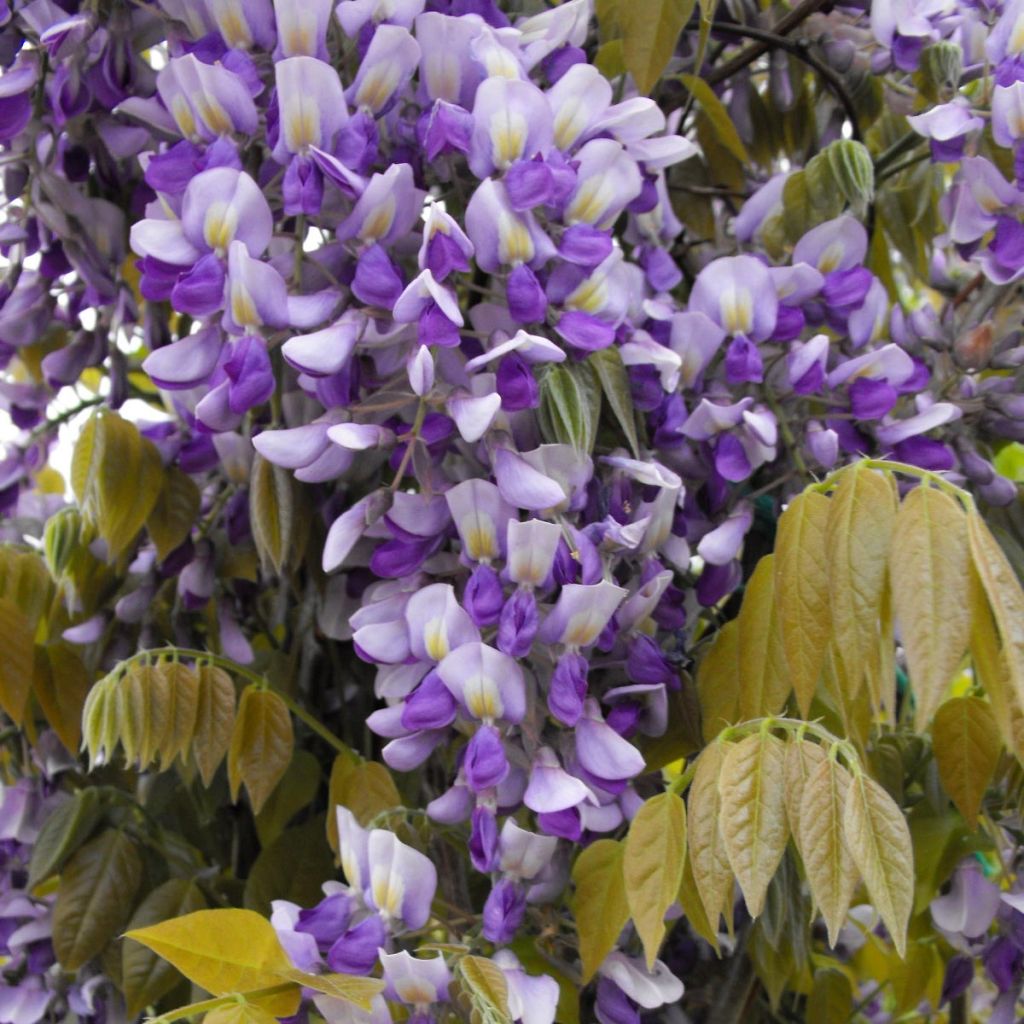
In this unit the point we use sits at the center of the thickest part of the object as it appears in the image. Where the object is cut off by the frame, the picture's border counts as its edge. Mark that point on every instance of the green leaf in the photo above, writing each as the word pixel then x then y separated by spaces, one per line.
pixel 261 745
pixel 291 868
pixel 801 586
pixel 273 514
pixel 223 952
pixel 762 660
pixel 599 904
pixel 990 668
pixel 831 998
pixel 176 509
pixel 565 408
pixel 607 364
pixel 95 899
pixel 145 976
pixel 61 684
pixel 485 983
pixel 17 660
pixel 215 719
pixel 966 741
pixel 717 113
pixel 652 868
pixel 878 839
pixel 852 171
pixel 830 869
pixel 753 813
pixel 117 475
pixel 296 791
pixel 858 536
pixel 929 568
pixel 1006 599
pixel 718 682
pixel 63 832
pixel 712 872
pixel 650 32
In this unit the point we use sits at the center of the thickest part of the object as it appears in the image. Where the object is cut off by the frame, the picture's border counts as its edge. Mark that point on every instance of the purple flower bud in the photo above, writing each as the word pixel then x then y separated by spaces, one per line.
pixel 356 951
pixel 1003 962
pixel 485 763
pixel 484 597
pixel 743 361
pixel 518 624
pixel 447 128
pixel 200 292
pixel 516 384
pixel 302 187
pixel 327 921
pixel 568 689
pixel 430 706
pixel 529 183
pixel 584 245
pixel 504 911
pixel 564 824
pixel 613 1005
pixel 377 281
pixel 959 975
pixel 645 662
pixel 527 302
pixel 484 841
pixel 871 399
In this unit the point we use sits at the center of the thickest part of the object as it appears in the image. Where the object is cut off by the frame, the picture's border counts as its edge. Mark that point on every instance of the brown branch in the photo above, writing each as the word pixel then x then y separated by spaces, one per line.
pixel 751 53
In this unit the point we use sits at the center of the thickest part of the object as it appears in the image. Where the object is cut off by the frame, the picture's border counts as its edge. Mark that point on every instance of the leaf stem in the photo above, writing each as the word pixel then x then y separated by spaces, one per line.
pixel 194 1009
pixel 254 677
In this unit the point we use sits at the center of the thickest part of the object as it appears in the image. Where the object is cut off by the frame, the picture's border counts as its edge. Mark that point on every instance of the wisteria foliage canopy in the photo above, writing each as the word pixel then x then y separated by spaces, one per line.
pixel 511 511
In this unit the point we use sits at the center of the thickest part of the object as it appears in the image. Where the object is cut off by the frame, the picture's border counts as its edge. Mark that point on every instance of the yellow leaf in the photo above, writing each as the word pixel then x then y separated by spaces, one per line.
pixel 830 869
pixel 1003 590
pixel 350 987
pixel 966 741
pixel 929 565
pixel 990 667
pixel 261 745
pixel 802 758
pixel 653 866
pixel 182 686
pixel 241 1012
pixel 763 670
pixel 711 869
pixel 599 904
pixel 753 813
pixel 487 986
pixel 880 670
pixel 215 719
pixel 718 115
pixel 223 952
pixel 650 31
pixel 693 906
pixel 718 682
pixel 61 684
pixel 272 513
pixel 802 595
pixel 174 512
pixel 858 536
pixel 366 788
pixel 17 660
pixel 146 977
pixel 878 839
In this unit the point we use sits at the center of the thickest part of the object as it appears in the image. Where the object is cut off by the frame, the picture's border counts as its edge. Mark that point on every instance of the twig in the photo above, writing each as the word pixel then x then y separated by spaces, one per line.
pixel 776 40
pixel 751 53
